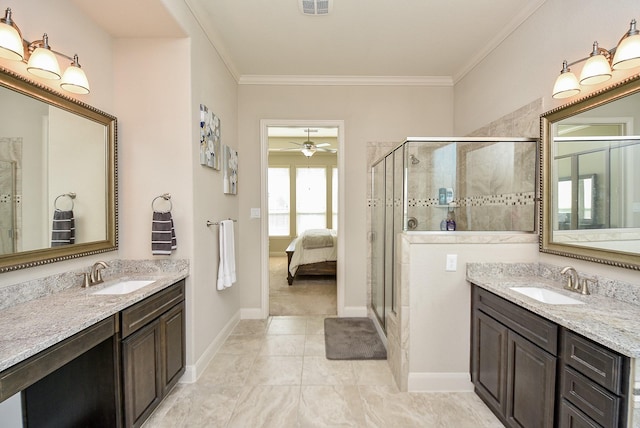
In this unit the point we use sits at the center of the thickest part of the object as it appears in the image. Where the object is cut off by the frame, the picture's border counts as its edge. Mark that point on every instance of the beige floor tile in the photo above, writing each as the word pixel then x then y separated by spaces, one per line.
pixel 373 372
pixel 228 369
pixel 314 345
pixel 330 406
pixel 250 327
pixel 276 370
pixel 242 344
pixel 267 406
pixel 287 325
pixel 283 344
pixel 320 371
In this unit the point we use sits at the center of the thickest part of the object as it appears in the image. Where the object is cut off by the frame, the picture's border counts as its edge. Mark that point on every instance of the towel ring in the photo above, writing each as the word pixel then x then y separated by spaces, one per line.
pixel 166 197
pixel 70 195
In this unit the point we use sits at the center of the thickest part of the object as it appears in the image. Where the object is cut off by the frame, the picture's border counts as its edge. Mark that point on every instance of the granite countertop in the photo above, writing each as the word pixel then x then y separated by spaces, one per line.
pixel 608 321
pixel 33 326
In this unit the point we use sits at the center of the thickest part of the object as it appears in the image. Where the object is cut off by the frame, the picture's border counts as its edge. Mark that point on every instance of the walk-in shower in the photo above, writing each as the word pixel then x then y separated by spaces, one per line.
pixel 447 185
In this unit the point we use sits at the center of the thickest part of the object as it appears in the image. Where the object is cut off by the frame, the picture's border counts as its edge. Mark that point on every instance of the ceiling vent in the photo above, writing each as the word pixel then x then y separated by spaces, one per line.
pixel 315 7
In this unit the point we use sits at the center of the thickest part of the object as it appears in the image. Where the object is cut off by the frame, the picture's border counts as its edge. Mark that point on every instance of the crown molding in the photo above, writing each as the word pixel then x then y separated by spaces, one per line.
pixel 346 80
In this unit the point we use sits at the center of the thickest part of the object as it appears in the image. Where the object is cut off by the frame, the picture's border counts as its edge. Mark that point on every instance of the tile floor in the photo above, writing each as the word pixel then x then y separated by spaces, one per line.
pixel 273 373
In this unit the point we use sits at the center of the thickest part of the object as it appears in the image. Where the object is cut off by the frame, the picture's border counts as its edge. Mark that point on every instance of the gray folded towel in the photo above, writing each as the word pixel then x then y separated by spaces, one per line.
pixel 163 235
pixel 63 229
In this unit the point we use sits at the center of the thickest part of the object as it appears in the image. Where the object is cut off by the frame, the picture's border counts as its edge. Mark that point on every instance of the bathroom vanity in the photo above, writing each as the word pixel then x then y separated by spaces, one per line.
pixel 80 358
pixel 547 364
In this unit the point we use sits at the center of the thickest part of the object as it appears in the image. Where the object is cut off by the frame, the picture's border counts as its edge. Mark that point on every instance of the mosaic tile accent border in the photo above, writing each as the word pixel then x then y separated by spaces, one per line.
pixel 507 200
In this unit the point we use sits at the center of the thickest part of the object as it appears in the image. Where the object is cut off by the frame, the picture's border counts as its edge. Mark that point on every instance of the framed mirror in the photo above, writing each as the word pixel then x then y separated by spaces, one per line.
pixel 57 176
pixel 590 170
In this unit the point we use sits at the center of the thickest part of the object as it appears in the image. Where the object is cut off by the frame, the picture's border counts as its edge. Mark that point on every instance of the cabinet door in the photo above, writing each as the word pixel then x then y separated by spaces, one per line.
pixel 172 328
pixel 489 360
pixel 531 380
pixel 141 371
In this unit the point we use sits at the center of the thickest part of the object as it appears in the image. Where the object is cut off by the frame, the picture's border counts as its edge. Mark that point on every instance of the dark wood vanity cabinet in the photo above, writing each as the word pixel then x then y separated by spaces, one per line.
pixel 153 351
pixel 593 384
pixel 533 373
pixel 513 361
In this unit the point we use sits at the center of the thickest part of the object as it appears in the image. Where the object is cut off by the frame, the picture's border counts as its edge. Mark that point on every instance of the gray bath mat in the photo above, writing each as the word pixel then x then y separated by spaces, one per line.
pixel 352 339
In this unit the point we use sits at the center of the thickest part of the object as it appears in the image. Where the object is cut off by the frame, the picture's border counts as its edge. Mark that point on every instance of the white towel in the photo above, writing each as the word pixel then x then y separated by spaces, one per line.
pixel 227 268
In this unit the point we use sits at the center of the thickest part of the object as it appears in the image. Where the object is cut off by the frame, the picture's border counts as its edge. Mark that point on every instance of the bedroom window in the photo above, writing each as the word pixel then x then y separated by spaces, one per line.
pixel 311 198
pixel 279 197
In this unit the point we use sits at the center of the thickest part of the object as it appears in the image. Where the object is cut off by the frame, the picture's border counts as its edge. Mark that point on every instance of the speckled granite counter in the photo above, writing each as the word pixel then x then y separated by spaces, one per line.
pixel 33 325
pixel 609 316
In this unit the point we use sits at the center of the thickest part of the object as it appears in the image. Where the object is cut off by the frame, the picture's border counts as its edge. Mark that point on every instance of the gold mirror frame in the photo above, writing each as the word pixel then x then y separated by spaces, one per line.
pixel 547 245
pixel 26 259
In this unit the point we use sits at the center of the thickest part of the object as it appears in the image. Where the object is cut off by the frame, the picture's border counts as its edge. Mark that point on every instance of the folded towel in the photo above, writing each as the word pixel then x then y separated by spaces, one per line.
pixel 227 267
pixel 63 229
pixel 316 238
pixel 163 234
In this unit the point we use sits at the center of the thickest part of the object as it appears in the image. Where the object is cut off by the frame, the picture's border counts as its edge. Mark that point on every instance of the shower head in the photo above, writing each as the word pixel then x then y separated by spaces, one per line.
pixel 414 160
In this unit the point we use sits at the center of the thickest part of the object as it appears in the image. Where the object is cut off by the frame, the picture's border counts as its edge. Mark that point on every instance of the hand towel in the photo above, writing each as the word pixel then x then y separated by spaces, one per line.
pixel 63 229
pixel 227 267
pixel 163 234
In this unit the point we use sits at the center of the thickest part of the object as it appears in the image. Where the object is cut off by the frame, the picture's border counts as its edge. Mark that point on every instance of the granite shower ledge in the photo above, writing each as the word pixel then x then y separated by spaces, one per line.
pixel 605 320
pixel 37 324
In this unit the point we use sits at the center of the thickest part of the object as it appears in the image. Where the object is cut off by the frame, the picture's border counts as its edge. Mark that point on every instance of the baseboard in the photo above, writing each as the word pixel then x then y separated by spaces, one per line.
pixel 439 382
pixel 193 372
pixel 354 311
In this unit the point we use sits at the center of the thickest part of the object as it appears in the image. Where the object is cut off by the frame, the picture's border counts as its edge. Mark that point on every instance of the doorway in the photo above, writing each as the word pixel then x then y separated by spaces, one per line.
pixel 292 172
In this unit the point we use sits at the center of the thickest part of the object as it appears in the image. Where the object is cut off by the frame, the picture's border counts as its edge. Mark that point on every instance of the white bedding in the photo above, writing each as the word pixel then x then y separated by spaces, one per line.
pixel 302 256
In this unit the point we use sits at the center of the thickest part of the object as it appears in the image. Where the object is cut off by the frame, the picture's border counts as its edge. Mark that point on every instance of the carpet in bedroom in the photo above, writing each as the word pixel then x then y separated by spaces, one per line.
pixel 308 295
pixel 352 339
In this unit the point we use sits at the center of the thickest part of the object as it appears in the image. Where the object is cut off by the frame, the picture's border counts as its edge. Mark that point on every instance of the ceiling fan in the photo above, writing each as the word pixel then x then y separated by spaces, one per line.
pixel 308 148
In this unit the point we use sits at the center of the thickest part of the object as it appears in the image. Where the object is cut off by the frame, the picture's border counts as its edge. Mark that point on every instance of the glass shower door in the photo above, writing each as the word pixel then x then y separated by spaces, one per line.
pixel 377 240
pixel 7 207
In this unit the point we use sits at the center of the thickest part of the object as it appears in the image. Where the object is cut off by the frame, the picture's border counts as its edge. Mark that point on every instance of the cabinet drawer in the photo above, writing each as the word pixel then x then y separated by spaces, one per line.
pixel 571 417
pixel 140 314
pixel 536 329
pixel 598 363
pixel 592 399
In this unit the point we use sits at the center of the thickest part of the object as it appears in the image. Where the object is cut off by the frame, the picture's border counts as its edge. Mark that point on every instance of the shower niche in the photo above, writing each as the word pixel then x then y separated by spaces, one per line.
pixel 446 185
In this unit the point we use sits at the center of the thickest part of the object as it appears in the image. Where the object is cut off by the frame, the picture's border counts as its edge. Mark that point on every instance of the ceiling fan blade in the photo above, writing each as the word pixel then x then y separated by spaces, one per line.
pixel 322 149
pixel 322 144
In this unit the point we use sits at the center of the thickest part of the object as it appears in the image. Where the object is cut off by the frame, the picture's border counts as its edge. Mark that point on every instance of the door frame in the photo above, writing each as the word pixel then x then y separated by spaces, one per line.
pixel 264 220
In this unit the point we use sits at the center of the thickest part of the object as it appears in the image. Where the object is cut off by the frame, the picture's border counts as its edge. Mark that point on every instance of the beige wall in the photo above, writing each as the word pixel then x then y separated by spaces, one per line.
pixel 370 113
pixel 524 67
pixel 70 32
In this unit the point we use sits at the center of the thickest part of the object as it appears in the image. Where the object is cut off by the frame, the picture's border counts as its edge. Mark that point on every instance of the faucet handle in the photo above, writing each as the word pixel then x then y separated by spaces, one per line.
pixel 85 279
pixel 584 285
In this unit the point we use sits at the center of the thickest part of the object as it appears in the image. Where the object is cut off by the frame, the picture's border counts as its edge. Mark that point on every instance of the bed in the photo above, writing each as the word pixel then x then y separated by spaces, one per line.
pixel 312 253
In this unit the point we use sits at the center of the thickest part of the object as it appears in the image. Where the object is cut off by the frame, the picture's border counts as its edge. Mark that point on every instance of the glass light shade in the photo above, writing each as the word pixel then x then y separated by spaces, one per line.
pixel 308 150
pixel 74 80
pixel 566 85
pixel 627 53
pixel 43 63
pixel 595 70
pixel 10 43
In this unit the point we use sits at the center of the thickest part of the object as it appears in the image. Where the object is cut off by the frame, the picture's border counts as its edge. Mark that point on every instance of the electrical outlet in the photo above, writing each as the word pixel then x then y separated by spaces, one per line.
pixel 452 263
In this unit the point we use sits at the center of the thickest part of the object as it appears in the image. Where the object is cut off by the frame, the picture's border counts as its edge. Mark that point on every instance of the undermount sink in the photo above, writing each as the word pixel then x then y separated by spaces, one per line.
pixel 124 287
pixel 547 296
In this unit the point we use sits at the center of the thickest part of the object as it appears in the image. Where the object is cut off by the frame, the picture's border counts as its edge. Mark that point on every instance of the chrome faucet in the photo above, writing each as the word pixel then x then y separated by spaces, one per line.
pixel 96 274
pixel 572 278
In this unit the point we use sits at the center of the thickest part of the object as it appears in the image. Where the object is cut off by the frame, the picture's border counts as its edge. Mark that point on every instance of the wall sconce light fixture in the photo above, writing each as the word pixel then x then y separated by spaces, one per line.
pixel 40 58
pixel 600 64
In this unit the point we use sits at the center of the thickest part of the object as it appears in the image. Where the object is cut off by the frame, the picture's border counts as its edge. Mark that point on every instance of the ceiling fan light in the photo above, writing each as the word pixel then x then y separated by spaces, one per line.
pixel 308 150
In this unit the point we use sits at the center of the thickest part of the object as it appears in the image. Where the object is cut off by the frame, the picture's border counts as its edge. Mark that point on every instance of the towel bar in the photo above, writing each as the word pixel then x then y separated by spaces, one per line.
pixel 215 223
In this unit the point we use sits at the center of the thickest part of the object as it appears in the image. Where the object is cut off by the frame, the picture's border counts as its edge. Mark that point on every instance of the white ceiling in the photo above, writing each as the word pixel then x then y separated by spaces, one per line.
pixel 440 40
